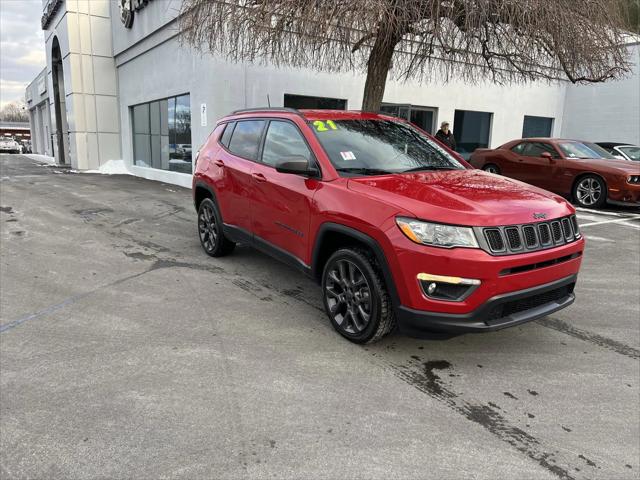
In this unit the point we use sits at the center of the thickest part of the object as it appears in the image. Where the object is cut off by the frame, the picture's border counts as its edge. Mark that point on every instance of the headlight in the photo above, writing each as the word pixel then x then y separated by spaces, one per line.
pixel 633 179
pixel 436 234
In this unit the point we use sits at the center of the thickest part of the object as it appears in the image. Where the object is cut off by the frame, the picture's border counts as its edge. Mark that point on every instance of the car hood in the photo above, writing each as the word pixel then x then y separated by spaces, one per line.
pixel 623 166
pixel 463 197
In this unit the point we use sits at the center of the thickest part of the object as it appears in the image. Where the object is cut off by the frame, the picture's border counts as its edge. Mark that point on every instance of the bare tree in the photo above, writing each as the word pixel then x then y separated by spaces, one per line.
pixel 14 112
pixel 501 40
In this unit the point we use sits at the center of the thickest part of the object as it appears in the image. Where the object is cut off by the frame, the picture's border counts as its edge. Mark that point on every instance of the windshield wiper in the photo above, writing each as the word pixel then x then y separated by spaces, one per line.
pixel 364 170
pixel 427 168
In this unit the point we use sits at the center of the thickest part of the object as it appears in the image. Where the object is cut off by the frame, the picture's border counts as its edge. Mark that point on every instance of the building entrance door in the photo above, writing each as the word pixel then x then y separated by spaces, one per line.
pixel 59 97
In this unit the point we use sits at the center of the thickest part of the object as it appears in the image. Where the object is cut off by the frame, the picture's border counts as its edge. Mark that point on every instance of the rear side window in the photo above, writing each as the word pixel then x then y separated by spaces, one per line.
pixel 283 141
pixel 226 135
pixel 245 139
pixel 518 148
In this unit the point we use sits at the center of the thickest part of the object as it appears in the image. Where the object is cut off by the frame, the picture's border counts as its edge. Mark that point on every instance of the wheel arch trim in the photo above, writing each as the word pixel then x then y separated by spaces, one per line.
pixel 202 184
pixel 330 227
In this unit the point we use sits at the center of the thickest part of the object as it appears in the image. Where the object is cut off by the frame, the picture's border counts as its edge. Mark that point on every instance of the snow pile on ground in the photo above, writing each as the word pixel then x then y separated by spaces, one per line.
pixel 112 167
pixel 41 158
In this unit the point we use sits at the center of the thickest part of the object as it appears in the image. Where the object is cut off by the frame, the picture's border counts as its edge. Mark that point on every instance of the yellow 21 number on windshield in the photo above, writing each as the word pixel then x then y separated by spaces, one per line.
pixel 322 126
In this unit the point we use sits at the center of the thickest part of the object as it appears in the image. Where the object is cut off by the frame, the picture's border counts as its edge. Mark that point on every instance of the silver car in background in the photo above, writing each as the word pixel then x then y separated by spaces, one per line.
pixel 9 145
pixel 623 151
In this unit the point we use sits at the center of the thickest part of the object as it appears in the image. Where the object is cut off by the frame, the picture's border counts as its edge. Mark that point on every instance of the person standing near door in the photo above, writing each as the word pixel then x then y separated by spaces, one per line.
pixel 446 136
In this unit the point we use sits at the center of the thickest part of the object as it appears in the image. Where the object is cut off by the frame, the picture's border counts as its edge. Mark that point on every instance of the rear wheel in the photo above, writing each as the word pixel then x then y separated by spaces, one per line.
pixel 355 296
pixel 210 230
pixel 590 191
pixel 491 168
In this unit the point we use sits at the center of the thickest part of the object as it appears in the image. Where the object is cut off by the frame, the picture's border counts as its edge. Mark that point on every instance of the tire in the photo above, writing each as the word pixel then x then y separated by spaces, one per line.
pixel 210 232
pixel 590 191
pixel 492 168
pixel 355 297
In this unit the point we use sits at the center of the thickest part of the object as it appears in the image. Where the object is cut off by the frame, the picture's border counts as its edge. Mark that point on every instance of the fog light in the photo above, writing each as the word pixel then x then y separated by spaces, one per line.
pixel 452 289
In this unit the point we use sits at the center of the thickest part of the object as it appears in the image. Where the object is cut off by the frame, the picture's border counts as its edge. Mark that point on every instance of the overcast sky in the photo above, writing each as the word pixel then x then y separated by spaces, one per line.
pixel 21 47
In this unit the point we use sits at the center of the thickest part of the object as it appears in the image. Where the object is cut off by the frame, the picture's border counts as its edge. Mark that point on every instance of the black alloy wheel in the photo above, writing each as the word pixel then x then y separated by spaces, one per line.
pixel 355 297
pixel 348 296
pixel 210 231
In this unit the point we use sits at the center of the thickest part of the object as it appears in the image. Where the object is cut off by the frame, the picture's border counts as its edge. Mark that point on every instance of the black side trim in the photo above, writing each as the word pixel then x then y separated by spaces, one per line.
pixel 240 235
pixel 330 227
pixel 419 323
pixel 237 234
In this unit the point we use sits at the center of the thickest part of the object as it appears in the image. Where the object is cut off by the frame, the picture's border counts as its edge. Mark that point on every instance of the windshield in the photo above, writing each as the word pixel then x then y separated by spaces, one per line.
pixel 374 147
pixel 632 152
pixel 583 150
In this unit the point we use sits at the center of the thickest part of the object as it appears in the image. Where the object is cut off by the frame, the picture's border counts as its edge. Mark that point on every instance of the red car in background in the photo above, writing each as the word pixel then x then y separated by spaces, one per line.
pixel 580 170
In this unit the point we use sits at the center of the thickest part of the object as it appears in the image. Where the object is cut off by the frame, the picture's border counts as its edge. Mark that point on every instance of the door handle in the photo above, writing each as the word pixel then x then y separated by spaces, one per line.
pixel 219 162
pixel 259 177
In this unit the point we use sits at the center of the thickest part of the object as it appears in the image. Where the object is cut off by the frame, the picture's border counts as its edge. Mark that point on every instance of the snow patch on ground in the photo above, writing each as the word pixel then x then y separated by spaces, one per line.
pixel 41 158
pixel 112 167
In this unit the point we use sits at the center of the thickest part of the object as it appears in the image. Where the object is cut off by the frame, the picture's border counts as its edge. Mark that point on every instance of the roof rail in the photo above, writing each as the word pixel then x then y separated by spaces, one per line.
pixel 268 109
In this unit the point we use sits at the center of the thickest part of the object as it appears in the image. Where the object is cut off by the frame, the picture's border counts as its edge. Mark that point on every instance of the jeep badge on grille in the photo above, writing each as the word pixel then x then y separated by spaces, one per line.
pixel 539 216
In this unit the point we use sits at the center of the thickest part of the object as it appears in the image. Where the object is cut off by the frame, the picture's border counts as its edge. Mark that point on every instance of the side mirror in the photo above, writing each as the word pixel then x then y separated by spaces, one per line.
pixel 297 165
pixel 547 155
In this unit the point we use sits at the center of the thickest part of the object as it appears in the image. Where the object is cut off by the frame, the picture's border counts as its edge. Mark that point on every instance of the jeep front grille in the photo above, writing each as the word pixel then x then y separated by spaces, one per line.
pixel 530 238
pixel 545 234
pixel 557 232
pixel 512 239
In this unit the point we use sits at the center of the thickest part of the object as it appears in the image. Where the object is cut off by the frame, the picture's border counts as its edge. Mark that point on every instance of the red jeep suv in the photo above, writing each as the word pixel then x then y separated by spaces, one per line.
pixel 396 228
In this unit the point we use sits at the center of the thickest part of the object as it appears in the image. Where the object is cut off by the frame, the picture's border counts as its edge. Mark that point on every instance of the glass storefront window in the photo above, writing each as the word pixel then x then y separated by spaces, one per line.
pixel 471 130
pixel 536 126
pixel 162 134
pixel 422 117
pixel 315 103
pixel 141 136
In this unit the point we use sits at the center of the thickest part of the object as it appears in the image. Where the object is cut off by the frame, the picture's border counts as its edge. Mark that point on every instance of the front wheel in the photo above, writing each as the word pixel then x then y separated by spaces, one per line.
pixel 590 192
pixel 355 296
pixel 210 230
pixel 491 168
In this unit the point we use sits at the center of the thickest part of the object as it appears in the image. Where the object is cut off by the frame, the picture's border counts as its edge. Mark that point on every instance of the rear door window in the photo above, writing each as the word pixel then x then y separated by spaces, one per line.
pixel 245 140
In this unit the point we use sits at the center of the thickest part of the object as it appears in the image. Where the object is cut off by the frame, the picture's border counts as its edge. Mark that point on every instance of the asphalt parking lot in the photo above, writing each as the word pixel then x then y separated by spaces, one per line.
pixel 126 352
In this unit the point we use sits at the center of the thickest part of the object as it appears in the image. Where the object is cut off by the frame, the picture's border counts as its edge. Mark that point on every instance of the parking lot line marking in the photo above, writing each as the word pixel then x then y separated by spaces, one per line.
pixel 599 239
pixel 632 225
pixel 617 220
pixel 602 212
pixel 64 303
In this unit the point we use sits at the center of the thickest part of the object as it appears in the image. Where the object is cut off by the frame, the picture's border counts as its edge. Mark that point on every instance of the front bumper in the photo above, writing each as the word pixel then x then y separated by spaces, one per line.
pixel 498 312
pixel 624 194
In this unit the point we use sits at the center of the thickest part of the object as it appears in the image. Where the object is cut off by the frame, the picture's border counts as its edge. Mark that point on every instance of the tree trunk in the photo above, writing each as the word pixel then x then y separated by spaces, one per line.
pixel 377 70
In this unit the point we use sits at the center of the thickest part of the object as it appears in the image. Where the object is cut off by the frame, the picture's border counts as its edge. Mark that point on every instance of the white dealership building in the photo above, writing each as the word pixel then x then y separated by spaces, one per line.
pixel 122 87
